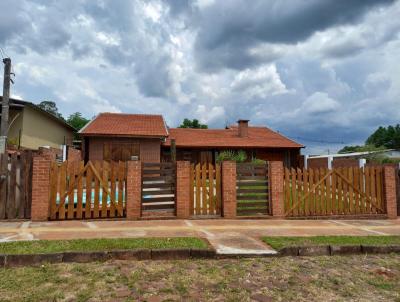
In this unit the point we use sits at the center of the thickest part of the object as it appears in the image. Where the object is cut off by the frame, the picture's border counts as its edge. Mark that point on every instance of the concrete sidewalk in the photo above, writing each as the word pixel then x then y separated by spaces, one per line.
pixel 226 236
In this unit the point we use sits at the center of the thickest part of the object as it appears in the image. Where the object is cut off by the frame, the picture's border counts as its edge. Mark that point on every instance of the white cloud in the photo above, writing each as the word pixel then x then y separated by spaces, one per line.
pixel 207 114
pixel 320 102
pixel 260 82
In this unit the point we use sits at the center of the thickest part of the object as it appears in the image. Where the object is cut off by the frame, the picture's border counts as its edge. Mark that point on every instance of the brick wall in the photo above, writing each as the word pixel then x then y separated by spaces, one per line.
pixel 390 191
pixel 317 163
pixel 183 189
pixel 40 188
pixel 229 189
pixel 49 153
pixel 74 155
pixel 276 188
pixel 133 189
pixel 345 163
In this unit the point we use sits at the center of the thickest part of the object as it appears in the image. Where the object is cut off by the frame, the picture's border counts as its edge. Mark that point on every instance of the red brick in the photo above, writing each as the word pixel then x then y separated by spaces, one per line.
pixel 276 188
pixel 390 191
pixel 183 189
pixel 133 190
pixel 229 189
pixel 40 188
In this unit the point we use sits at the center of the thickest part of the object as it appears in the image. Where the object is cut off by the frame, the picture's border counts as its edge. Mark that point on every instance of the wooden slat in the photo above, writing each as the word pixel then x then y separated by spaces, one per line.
pixel 252 197
pixel 54 178
pixel 158 185
pixel 257 183
pixel 367 184
pixel 158 199
pixel 149 207
pixel 204 192
pixel 243 212
pixel 373 187
pixel 305 205
pixel 168 172
pixel 121 185
pixel 340 194
pixel 323 202
pixel 218 188
pixel 104 172
pixel 211 189
pixel 22 186
pixel 379 189
pixel 258 204
pixel 88 197
pixel 3 185
pixel 79 191
pixel 167 179
pixel 351 192
pixel 191 188
pixel 11 200
pixel 158 192
pixel 71 189
pixel 63 176
pixel 250 190
pixel 96 203
pixel 113 188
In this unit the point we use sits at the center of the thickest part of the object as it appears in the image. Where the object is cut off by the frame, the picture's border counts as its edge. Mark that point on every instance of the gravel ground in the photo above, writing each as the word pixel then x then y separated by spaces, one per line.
pixel 350 278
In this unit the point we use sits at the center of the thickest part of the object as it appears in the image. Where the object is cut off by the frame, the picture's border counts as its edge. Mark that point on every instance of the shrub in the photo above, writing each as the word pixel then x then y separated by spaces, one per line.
pixel 237 156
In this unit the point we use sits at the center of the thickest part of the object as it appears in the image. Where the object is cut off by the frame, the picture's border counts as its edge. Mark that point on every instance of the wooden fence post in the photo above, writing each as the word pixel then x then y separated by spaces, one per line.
pixel 229 189
pixel 133 189
pixel 276 188
pixel 40 188
pixel 183 189
pixel 389 180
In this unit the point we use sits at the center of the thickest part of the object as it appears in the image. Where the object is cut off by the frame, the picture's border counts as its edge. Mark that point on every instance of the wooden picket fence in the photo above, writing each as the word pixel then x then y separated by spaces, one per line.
pixel 342 191
pixel 94 190
pixel 16 185
pixel 252 191
pixel 205 189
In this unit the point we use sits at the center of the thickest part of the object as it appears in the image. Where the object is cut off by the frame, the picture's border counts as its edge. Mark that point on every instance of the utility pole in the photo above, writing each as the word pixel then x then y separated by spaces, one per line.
pixel 5 104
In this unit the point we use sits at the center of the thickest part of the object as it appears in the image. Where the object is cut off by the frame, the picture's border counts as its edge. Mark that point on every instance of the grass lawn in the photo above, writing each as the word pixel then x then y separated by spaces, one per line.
pixel 335 278
pixel 81 245
pixel 280 242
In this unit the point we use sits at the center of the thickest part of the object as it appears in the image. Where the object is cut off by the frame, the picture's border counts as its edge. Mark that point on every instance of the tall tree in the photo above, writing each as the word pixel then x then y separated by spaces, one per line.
pixel 77 121
pixel 195 124
pixel 51 108
pixel 387 137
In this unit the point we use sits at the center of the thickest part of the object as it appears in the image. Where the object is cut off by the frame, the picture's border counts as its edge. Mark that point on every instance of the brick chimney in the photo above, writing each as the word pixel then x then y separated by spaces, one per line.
pixel 243 127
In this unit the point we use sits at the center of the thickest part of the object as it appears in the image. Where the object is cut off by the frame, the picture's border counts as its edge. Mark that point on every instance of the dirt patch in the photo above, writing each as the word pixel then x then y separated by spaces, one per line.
pixel 334 278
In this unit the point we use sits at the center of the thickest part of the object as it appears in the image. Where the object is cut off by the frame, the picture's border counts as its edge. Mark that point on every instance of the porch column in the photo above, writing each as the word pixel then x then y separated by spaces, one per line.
pixel 389 182
pixel 276 188
pixel 133 190
pixel 183 189
pixel 229 189
pixel 40 188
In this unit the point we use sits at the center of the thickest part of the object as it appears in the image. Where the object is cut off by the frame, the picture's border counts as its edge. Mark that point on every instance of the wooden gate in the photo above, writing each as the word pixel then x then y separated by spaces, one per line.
pixel 205 189
pixel 336 192
pixel 252 191
pixel 94 190
pixel 158 188
pixel 16 185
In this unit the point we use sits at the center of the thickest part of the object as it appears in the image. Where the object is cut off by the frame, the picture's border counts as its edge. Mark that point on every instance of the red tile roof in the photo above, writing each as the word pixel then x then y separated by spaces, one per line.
pixel 119 124
pixel 260 137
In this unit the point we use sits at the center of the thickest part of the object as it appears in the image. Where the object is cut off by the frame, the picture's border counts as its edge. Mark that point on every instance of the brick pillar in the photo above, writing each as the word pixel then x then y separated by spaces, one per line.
pixel 389 182
pixel 229 189
pixel 133 190
pixel 276 188
pixel 40 188
pixel 183 189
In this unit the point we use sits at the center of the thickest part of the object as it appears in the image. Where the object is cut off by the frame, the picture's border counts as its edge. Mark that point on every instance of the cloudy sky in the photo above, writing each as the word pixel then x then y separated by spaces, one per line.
pixel 324 72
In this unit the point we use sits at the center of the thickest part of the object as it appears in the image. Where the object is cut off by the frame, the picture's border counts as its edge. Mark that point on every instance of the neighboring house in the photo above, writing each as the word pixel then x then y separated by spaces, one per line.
pixel 353 159
pixel 117 136
pixel 200 145
pixel 32 127
pixel 113 136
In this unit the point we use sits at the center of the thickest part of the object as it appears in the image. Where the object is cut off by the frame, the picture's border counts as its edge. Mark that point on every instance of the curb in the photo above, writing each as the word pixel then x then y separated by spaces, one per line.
pixel 333 250
pixel 85 257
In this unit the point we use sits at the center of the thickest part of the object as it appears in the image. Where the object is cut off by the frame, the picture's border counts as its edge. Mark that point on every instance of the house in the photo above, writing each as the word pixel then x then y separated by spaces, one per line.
pixel 114 136
pixel 117 136
pixel 32 127
pixel 352 159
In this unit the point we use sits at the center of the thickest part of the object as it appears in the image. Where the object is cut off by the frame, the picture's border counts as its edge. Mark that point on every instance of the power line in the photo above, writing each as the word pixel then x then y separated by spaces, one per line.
pixel 317 140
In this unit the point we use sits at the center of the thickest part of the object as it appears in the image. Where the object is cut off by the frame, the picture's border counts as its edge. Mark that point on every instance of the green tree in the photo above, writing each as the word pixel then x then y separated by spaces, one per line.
pixel 385 137
pixel 51 108
pixel 77 121
pixel 350 149
pixel 195 124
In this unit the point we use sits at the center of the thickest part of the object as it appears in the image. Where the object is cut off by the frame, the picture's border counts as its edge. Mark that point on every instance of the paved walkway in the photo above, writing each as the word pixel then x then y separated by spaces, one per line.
pixel 226 236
